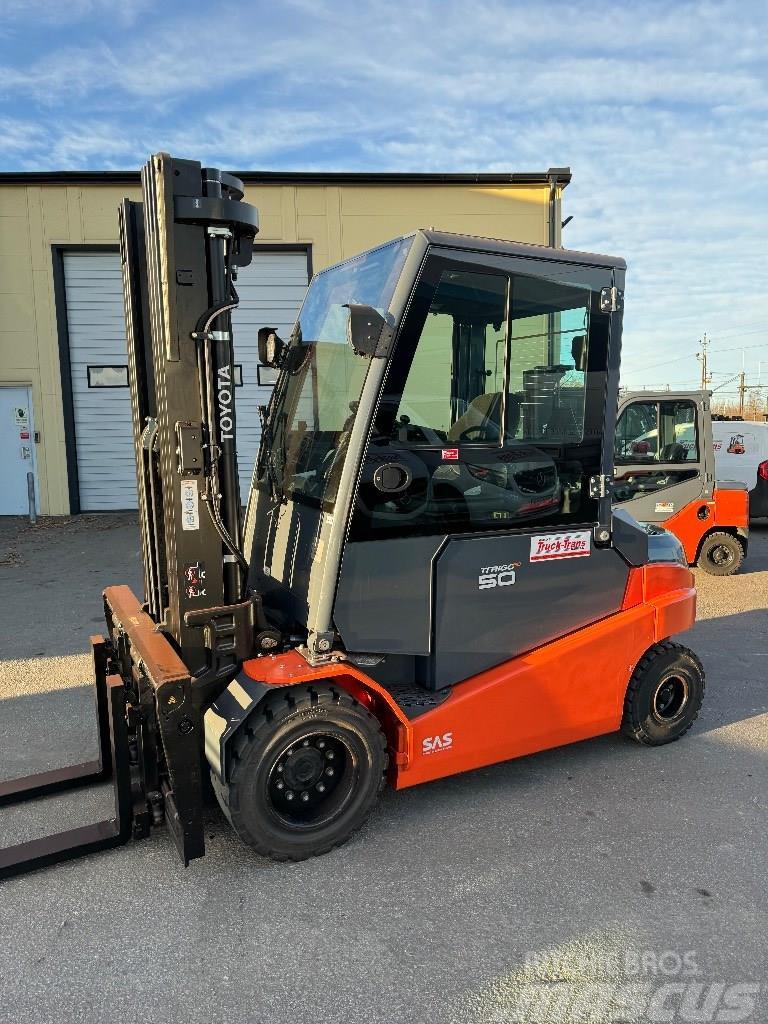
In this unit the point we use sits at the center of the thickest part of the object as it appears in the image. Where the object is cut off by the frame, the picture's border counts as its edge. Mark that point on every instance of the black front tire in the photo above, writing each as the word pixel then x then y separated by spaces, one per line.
pixel 307 770
pixel 664 695
pixel 721 554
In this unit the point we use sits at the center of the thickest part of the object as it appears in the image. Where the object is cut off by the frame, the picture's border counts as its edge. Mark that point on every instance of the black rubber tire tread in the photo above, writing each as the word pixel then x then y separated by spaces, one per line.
pixel 712 540
pixel 287 707
pixel 634 722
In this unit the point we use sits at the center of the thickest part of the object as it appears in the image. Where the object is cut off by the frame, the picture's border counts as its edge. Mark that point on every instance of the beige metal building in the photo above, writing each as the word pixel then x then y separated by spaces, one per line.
pixel 64 404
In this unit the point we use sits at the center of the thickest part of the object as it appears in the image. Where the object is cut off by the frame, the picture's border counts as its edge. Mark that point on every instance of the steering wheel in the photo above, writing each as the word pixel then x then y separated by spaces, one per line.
pixel 479 432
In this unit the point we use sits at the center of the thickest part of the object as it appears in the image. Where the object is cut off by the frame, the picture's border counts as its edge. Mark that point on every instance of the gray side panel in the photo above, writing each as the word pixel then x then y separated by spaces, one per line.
pixel 384 595
pixel 281 554
pixel 658 505
pixel 629 538
pixel 476 629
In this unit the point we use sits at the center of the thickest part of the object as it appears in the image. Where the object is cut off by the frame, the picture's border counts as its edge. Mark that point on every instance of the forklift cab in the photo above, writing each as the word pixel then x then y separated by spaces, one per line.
pixel 665 474
pixel 663 453
pixel 440 414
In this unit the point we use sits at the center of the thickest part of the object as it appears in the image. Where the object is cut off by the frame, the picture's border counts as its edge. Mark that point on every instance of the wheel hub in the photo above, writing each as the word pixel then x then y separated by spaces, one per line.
pixel 670 699
pixel 305 781
pixel 303 767
pixel 720 555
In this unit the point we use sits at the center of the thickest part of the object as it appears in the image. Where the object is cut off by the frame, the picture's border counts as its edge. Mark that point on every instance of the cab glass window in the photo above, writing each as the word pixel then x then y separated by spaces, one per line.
pixel 492 409
pixel 657 432
pixel 548 360
pixel 453 390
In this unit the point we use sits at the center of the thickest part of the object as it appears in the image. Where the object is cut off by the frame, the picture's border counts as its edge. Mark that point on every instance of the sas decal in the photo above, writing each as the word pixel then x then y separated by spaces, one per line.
pixel 434 744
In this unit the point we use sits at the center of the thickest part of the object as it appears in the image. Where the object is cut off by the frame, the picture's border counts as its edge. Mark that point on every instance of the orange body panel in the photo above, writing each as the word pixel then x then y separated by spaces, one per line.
pixel 727 509
pixel 570 689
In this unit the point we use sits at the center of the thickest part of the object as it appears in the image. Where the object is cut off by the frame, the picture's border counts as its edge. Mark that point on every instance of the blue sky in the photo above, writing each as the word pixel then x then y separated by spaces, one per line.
pixel 658 108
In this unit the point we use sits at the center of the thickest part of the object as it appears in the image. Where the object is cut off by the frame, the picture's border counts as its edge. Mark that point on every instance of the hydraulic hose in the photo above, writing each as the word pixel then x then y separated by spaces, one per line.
pixel 202 337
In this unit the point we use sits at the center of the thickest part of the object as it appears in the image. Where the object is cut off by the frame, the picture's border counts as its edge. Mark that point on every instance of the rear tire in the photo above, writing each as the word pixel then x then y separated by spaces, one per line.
pixel 721 554
pixel 307 770
pixel 664 695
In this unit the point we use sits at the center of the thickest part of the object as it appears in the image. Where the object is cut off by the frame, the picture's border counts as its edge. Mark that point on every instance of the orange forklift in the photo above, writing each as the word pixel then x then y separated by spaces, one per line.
pixel 430 575
pixel 665 474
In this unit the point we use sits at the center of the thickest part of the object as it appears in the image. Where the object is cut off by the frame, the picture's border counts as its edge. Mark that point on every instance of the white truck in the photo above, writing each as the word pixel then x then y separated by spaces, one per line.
pixel 741 453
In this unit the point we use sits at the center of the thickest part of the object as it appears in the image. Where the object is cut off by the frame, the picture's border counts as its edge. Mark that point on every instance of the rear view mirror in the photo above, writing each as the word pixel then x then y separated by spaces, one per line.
pixel 271 347
pixel 368 332
pixel 579 352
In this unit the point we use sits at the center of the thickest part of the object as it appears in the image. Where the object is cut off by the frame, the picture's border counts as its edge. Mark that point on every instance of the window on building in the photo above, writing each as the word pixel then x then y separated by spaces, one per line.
pixel 107 376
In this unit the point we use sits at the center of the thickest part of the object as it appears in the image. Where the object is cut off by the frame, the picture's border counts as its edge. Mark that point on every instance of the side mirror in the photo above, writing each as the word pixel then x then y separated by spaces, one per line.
pixel 368 332
pixel 271 347
pixel 579 352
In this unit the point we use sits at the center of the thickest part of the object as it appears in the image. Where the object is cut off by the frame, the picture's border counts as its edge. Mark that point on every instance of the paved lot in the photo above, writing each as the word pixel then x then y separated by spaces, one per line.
pixel 551 877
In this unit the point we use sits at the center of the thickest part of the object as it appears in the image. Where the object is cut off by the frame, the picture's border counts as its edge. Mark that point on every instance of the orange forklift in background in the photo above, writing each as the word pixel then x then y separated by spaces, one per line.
pixel 665 474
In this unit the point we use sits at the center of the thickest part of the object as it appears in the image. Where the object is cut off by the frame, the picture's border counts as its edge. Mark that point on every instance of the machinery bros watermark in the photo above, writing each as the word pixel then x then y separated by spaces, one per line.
pixel 658 987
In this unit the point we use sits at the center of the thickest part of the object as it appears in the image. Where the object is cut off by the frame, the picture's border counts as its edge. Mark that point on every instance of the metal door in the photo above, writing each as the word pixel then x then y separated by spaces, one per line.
pixel 663 469
pixel 17 449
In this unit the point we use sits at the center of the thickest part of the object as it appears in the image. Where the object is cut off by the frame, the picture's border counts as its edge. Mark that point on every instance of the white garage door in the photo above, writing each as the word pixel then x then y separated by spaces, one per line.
pixel 271 290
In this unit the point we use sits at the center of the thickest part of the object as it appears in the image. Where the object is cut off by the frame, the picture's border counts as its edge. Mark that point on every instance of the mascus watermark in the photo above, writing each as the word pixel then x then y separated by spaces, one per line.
pixel 657 986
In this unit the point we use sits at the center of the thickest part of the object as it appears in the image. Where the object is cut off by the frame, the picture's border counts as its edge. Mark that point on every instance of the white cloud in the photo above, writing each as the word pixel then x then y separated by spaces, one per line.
pixel 660 110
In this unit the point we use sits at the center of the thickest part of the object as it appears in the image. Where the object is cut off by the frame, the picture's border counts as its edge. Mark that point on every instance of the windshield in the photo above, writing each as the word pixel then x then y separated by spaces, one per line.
pixel 318 391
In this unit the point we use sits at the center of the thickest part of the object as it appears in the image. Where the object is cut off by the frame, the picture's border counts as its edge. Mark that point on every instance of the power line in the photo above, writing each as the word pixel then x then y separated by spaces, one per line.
pixel 713 351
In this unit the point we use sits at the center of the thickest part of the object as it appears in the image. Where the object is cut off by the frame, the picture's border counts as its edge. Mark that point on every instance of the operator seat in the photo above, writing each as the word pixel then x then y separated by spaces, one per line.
pixel 484 415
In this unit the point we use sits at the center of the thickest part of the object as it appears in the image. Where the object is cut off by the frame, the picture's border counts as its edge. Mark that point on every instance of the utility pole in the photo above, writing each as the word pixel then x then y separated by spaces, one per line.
pixel 706 378
pixel 742 388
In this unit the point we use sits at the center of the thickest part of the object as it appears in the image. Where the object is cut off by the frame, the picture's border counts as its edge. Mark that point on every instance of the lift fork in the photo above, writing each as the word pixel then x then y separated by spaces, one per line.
pixel 113 762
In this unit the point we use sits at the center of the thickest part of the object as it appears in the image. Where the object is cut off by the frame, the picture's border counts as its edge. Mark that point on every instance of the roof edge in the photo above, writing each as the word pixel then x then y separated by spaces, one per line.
pixel 558 175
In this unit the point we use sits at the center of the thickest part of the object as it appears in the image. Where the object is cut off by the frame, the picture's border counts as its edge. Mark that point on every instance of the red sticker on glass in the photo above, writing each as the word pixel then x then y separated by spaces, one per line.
pixel 450 454
pixel 23 435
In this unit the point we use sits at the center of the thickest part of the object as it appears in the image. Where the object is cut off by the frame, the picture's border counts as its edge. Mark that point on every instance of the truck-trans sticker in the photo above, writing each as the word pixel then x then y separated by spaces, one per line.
pixel 434 744
pixel 497 576
pixel 548 546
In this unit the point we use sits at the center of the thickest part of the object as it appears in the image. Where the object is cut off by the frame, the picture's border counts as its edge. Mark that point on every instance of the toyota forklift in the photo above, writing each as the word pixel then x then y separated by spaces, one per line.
pixel 665 474
pixel 429 575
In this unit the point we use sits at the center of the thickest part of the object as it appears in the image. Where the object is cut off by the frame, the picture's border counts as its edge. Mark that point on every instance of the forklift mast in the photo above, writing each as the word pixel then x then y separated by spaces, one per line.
pixel 181 247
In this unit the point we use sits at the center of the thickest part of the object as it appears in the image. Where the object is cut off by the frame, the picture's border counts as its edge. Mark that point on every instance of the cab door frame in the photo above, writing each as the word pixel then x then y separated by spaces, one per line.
pixel 379 599
pixel 675 496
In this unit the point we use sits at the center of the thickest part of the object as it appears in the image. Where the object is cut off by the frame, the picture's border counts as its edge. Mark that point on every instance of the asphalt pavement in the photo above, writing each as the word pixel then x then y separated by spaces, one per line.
pixel 603 881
